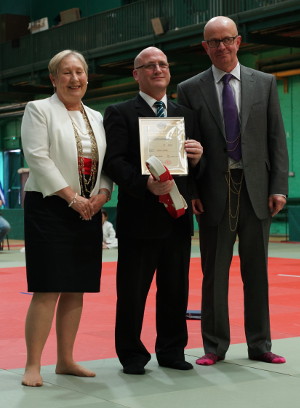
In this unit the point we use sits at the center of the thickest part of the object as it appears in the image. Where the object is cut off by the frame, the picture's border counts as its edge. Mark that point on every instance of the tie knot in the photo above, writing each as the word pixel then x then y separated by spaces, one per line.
pixel 159 104
pixel 226 78
pixel 160 112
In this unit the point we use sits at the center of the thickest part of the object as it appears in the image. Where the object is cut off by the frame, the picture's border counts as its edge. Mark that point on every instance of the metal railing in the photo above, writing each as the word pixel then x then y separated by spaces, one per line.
pixel 115 26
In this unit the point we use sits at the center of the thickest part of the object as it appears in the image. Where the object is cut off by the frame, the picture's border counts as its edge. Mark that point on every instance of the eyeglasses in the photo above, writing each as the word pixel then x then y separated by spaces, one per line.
pixel 225 41
pixel 152 66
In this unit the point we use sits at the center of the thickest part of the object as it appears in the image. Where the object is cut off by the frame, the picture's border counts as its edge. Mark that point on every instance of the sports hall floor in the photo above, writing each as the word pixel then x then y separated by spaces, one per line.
pixel 233 383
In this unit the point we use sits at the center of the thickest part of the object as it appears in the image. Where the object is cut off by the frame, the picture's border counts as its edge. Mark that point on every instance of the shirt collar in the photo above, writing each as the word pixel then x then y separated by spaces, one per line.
pixel 218 73
pixel 151 100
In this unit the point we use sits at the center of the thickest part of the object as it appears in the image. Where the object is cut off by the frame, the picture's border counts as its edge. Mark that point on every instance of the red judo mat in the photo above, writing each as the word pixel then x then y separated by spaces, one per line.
pixel 95 338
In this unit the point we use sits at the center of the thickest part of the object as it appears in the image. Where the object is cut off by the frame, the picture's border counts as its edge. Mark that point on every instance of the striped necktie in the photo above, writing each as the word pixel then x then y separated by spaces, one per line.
pixel 160 112
pixel 231 120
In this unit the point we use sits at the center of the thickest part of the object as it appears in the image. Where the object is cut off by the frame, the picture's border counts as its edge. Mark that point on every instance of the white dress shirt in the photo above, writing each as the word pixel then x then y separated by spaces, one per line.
pixel 151 101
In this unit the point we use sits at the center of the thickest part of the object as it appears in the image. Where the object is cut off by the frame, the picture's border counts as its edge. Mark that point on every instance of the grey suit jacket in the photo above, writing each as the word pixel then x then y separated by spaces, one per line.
pixel 263 140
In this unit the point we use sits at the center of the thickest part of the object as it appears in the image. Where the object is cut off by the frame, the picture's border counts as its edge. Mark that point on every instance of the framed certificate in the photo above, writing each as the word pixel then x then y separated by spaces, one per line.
pixel 163 138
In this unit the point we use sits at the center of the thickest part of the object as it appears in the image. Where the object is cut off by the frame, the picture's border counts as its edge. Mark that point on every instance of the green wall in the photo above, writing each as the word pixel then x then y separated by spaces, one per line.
pixel 290 105
pixel 16 220
pixel 10 134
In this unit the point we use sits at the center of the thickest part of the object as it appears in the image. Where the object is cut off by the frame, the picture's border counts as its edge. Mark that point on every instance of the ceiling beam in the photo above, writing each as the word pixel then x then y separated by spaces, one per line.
pixel 276 40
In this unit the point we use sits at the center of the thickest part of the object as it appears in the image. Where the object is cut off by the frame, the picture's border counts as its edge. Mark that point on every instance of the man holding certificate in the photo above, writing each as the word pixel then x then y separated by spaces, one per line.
pixel 150 239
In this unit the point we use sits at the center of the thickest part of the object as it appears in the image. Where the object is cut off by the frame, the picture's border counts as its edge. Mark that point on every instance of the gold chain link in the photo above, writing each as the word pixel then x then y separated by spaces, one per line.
pixel 234 187
pixel 86 184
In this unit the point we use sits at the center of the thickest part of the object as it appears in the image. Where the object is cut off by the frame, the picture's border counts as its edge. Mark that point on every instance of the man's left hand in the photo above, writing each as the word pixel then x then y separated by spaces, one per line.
pixel 276 203
pixel 194 151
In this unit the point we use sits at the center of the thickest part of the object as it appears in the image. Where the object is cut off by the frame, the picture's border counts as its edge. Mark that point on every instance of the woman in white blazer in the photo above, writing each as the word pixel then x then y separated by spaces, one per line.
pixel 64 146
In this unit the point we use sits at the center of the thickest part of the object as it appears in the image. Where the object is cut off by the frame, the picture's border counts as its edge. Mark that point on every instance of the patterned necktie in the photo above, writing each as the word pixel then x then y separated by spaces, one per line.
pixel 160 112
pixel 231 120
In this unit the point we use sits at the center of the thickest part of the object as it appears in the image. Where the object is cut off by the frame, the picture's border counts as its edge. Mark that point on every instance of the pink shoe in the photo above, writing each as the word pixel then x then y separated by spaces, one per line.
pixel 270 358
pixel 208 359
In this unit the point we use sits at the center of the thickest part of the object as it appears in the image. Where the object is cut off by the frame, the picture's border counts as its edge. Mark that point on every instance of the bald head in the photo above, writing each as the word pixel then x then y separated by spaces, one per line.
pixel 151 71
pixel 149 51
pixel 219 23
pixel 223 54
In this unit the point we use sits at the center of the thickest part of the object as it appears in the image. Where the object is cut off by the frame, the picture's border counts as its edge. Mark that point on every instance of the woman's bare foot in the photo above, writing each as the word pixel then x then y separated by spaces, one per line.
pixel 32 377
pixel 74 369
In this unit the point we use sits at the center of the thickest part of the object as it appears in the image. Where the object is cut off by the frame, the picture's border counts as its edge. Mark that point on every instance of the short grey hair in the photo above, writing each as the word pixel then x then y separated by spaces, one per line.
pixel 54 63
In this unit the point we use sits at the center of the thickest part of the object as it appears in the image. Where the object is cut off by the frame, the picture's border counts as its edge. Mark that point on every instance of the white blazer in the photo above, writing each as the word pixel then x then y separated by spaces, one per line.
pixel 50 148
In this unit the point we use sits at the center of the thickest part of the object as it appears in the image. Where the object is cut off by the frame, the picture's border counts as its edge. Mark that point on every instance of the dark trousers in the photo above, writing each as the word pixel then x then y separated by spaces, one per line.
pixel 216 245
pixel 137 262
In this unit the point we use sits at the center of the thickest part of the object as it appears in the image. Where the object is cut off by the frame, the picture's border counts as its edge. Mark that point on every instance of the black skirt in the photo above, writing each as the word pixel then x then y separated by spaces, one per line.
pixel 63 252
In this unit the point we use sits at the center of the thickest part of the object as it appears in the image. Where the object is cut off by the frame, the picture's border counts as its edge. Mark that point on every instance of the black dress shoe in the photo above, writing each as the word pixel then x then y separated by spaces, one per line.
pixel 177 365
pixel 134 369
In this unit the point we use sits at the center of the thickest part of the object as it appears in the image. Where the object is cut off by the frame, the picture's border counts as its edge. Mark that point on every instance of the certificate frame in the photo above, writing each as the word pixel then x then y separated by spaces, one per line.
pixel 163 138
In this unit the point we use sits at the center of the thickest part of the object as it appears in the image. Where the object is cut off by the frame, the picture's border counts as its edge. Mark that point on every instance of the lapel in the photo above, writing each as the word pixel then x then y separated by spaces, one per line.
pixel 63 119
pixel 144 110
pixel 96 125
pixel 142 107
pixel 247 94
pixel 206 84
pixel 173 109
pixel 209 94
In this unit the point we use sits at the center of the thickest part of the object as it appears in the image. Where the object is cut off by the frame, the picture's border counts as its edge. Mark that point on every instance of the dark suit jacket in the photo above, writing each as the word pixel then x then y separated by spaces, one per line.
pixel 139 214
pixel 263 140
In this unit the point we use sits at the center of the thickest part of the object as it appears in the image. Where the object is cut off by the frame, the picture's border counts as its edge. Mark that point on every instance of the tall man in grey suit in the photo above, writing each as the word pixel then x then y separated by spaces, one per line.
pixel 149 239
pixel 244 184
